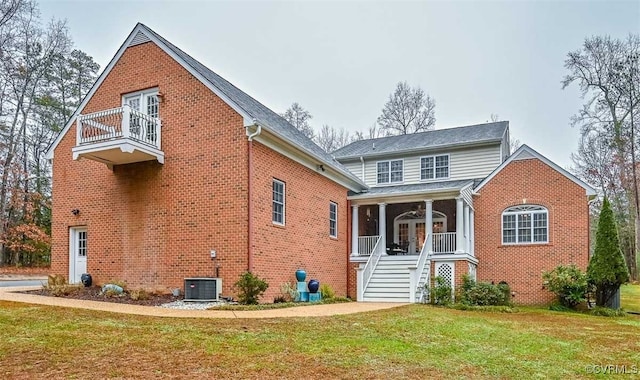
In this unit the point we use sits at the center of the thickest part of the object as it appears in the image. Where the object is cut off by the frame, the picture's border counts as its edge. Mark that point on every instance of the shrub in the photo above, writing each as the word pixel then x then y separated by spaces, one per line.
pixel 280 299
pixel 607 269
pixel 289 293
pixel 568 283
pixel 483 293
pixel 250 288
pixel 139 295
pixel 57 286
pixel 326 292
pixel 441 292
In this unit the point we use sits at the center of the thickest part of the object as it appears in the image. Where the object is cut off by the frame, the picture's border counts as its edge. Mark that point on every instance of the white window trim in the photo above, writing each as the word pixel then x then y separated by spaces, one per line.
pixel 284 202
pixel 143 95
pixel 390 182
pixel 540 210
pixel 331 220
pixel 434 168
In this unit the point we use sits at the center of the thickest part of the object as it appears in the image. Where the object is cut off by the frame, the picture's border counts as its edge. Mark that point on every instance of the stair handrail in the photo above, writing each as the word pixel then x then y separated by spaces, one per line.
pixel 371 264
pixel 420 264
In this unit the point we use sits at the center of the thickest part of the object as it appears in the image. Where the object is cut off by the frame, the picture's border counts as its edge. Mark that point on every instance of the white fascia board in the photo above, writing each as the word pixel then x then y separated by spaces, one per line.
pixel 247 119
pixel 298 156
pixel 446 193
pixel 590 191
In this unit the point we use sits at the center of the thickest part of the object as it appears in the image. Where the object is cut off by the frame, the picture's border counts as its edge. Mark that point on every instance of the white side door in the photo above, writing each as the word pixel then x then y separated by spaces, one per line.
pixel 77 253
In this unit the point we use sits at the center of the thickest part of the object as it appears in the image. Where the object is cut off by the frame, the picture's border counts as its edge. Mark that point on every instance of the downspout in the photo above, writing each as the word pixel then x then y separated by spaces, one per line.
pixel 362 160
pixel 250 194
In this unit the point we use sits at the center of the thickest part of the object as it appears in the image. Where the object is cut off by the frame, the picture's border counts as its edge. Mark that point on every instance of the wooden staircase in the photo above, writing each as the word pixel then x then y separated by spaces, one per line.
pixel 390 280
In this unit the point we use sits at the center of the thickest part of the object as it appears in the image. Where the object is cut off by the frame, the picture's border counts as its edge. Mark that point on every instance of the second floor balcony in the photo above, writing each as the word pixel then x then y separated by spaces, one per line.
pixel 118 136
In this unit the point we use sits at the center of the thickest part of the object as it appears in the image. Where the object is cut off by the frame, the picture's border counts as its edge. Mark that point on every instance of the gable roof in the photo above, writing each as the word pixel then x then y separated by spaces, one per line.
pixel 439 138
pixel 525 153
pixel 252 111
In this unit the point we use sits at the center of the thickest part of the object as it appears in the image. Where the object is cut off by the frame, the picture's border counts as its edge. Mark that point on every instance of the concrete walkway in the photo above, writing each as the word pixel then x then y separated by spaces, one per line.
pixel 10 294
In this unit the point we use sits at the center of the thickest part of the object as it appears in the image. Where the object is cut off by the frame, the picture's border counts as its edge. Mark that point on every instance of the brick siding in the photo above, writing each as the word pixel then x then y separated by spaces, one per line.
pixel 530 181
pixel 152 225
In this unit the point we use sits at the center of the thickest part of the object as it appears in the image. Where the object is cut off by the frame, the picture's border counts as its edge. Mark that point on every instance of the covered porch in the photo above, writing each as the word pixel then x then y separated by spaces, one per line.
pixel 441 223
pixel 398 232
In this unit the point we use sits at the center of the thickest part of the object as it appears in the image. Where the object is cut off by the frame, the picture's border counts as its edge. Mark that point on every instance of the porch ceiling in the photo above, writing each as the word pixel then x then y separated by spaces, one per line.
pixel 418 191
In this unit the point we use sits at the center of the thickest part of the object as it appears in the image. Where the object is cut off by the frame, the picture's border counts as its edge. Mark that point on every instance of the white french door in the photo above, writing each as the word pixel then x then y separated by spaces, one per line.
pixel 77 253
pixel 410 235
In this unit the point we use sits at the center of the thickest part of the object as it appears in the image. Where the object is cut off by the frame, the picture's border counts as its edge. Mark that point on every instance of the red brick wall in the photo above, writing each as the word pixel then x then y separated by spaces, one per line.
pixel 304 241
pixel 530 182
pixel 151 224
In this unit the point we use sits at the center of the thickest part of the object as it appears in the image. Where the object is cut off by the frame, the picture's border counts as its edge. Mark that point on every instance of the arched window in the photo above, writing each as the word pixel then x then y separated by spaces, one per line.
pixel 526 224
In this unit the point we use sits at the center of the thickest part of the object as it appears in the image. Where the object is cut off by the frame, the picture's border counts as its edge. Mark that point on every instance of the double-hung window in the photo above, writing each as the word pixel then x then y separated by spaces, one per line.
pixel 143 122
pixel 333 219
pixel 526 224
pixel 434 167
pixel 390 171
pixel 278 204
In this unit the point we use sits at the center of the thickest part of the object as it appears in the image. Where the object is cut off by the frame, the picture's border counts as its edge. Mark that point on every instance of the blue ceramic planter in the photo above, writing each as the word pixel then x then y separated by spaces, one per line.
pixel 313 285
pixel 301 275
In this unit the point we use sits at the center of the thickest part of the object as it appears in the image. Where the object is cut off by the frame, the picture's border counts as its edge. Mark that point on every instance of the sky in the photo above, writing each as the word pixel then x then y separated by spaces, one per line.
pixel 342 60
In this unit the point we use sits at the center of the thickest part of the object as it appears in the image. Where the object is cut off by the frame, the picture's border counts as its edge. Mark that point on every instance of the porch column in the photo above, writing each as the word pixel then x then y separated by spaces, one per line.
pixel 354 231
pixel 429 225
pixel 472 228
pixel 459 225
pixel 467 236
pixel 382 226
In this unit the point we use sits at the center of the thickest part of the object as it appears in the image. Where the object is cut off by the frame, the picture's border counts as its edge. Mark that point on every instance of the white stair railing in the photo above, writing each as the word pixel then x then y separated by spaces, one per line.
pixel 415 273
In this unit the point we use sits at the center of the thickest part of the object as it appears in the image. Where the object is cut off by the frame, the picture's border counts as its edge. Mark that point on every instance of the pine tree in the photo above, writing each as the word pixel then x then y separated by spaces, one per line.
pixel 607 269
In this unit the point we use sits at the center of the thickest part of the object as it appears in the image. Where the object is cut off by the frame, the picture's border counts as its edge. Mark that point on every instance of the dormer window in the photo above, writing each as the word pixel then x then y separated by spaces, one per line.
pixel 434 167
pixel 390 171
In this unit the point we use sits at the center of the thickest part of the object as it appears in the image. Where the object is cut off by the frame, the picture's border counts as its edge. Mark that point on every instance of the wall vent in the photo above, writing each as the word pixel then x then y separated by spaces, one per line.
pixel 202 289
pixel 139 38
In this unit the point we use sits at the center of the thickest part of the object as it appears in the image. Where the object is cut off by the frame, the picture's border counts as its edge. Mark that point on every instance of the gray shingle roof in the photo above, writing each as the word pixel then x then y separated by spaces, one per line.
pixel 259 112
pixel 428 187
pixel 425 140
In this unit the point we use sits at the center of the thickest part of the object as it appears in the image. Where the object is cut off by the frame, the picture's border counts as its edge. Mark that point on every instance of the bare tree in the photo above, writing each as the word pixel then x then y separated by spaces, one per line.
pixel 514 144
pixel 299 118
pixel 8 8
pixel 606 71
pixel 39 86
pixel 331 139
pixel 408 110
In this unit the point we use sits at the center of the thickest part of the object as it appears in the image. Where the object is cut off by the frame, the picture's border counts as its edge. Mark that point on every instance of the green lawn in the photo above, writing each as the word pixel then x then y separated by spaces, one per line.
pixel 630 297
pixel 415 341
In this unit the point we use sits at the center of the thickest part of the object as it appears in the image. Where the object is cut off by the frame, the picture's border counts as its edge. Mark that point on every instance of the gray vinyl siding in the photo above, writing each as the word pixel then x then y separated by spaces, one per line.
pixel 467 163
pixel 354 167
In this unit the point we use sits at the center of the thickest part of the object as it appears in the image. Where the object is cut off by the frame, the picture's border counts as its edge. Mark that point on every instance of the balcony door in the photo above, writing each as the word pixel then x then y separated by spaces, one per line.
pixel 145 102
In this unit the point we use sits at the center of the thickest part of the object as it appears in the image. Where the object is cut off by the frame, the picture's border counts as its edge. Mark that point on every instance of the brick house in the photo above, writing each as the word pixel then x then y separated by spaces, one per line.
pixel 166 171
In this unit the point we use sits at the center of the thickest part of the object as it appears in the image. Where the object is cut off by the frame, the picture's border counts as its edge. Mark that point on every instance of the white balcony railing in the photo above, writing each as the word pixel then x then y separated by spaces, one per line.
pixel 444 242
pixel 118 123
pixel 366 244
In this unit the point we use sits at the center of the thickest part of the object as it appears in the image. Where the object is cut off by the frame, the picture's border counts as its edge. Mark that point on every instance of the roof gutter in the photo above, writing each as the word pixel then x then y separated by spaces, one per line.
pixel 354 180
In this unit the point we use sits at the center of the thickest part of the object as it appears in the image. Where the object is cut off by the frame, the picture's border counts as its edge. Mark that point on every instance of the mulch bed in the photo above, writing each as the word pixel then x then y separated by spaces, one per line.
pixel 93 294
